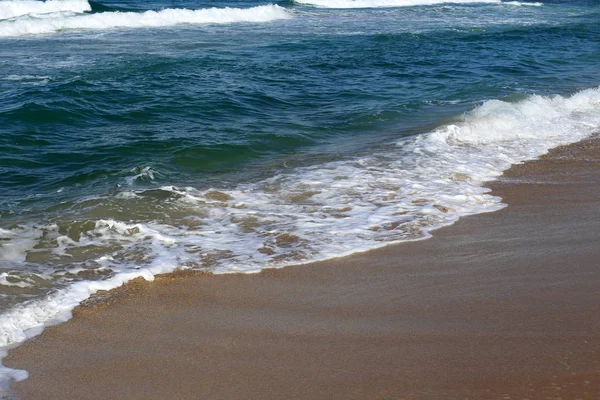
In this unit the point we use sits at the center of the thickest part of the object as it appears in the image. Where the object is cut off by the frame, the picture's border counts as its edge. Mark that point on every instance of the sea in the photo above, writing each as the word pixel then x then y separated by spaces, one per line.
pixel 142 137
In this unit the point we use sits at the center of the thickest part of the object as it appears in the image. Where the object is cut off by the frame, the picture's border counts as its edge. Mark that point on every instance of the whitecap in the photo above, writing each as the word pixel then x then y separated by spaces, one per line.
pixel 168 17
pixel 17 8
pixel 384 3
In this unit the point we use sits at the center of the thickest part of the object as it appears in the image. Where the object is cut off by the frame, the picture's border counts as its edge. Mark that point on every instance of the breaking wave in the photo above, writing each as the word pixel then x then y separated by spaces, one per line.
pixel 384 3
pixel 17 8
pixel 31 23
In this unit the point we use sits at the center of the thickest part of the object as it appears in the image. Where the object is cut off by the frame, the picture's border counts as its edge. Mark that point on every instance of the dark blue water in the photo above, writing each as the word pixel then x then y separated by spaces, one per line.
pixel 194 100
pixel 135 142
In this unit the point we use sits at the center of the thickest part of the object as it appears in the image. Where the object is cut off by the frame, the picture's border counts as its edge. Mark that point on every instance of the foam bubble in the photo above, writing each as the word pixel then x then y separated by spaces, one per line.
pixel 168 17
pixel 384 3
pixel 17 8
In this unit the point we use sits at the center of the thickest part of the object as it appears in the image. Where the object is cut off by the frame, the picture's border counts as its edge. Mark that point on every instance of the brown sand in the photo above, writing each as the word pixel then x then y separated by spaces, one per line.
pixel 498 306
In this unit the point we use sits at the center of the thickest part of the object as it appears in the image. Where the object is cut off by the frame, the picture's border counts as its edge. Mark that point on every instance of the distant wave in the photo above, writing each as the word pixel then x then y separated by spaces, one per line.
pixel 17 8
pixel 522 3
pixel 31 24
pixel 383 3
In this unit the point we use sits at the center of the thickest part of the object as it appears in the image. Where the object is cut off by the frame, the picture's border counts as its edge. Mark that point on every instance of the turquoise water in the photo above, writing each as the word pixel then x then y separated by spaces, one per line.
pixel 253 135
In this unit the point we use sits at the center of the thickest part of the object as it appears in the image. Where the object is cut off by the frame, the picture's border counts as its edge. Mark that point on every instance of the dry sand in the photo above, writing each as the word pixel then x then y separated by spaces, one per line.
pixel 498 306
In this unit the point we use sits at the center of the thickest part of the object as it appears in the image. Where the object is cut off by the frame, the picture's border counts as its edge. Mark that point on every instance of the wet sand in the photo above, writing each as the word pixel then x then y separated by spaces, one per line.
pixel 503 305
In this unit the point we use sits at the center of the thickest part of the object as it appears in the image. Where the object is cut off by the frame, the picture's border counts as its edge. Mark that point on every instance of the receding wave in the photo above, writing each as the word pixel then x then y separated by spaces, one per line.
pixel 17 8
pixel 333 209
pixel 383 3
pixel 30 24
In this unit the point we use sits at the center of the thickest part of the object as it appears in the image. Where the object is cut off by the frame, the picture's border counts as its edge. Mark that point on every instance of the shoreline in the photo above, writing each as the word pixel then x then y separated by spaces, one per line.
pixel 498 304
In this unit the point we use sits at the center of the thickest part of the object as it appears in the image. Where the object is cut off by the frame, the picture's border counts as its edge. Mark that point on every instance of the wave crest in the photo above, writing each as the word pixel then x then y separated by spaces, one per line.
pixel 30 25
pixel 17 8
pixel 383 3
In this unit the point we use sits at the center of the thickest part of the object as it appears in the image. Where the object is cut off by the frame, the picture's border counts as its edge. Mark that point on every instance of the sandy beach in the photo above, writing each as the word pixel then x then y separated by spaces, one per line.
pixel 497 306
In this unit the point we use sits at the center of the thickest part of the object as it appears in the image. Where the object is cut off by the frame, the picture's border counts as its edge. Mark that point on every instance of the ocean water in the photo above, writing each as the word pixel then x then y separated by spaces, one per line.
pixel 140 137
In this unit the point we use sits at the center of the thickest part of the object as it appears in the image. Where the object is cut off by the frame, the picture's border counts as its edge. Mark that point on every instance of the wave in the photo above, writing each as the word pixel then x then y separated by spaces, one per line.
pixel 384 3
pixel 30 24
pixel 99 7
pixel 522 3
pixel 17 8
pixel 416 185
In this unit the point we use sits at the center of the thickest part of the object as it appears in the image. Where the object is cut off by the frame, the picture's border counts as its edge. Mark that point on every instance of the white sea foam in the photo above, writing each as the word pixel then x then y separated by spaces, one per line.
pixel 146 173
pixel 15 243
pixel 29 25
pixel 15 281
pixel 17 8
pixel 418 184
pixel 384 3
pixel 521 3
